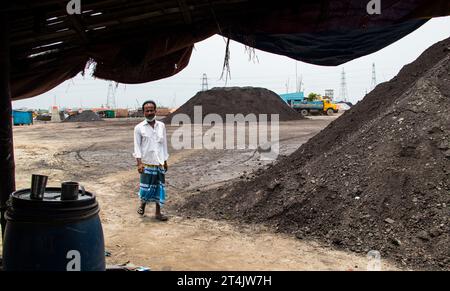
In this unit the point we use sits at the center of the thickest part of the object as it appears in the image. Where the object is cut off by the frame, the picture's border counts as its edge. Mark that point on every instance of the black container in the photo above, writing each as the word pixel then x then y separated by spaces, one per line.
pixel 70 190
pixel 52 234
pixel 38 184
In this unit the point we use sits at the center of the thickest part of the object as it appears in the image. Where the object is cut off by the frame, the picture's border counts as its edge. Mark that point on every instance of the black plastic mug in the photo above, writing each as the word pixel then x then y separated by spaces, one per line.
pixel 38 184
pixel 70 190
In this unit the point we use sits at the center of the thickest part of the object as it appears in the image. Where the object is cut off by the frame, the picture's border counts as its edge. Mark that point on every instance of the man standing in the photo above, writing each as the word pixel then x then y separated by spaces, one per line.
pixel 150 151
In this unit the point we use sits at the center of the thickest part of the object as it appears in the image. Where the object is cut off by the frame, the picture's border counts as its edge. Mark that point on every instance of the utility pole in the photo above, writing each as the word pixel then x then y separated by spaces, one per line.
pixel 173 101
pixel 205 82
pixel 298 80
pixel 287 86
pixel 110 99
pixel 343 93
pixel 300 84
pixel 374 77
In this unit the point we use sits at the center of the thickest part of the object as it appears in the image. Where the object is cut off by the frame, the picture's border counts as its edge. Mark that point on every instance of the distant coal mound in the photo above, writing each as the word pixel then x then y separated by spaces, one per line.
pixel 44 117
pixel 377 178
pixel 235 100
pixel 84 116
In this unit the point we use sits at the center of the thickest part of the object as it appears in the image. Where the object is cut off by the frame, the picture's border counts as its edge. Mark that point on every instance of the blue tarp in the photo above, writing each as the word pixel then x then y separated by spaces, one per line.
pixel 292 96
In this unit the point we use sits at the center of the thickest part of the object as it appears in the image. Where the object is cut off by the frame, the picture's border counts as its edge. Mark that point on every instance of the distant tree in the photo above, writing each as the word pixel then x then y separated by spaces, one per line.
pixel 313 97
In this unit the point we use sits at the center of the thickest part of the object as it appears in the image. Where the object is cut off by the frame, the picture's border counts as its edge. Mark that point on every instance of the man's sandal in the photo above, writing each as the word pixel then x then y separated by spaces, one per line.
pixel 141 210
pixel 161 217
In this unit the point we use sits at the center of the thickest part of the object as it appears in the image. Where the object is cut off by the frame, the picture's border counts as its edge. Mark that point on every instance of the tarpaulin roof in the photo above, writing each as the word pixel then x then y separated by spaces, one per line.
pixel 142 40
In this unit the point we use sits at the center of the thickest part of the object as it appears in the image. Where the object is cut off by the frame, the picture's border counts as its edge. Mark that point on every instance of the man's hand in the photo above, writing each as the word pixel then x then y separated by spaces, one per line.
pixel 166 167
pixel 140 168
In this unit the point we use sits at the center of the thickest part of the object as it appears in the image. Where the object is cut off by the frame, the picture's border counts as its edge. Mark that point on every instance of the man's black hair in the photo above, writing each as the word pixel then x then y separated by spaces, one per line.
pixel 148 102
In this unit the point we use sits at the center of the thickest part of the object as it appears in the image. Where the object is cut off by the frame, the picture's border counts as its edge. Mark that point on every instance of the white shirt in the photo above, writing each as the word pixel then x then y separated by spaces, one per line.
pixel 150 144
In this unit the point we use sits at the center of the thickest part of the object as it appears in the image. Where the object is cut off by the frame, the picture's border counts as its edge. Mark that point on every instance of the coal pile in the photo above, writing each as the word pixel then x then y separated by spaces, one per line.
pixel 377 178
pixel 44 117
pixel 85 116
pixel 235 100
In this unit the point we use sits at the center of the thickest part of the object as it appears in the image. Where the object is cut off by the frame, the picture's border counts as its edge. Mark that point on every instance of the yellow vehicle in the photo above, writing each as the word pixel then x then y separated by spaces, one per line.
pixel 306 107
pixel 329 108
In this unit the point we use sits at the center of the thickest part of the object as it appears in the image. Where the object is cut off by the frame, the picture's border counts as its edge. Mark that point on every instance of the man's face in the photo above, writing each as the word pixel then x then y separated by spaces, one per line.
pixel 149 110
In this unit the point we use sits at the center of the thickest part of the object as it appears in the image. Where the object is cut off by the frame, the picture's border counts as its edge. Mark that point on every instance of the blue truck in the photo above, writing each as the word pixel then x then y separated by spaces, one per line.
pixel 299 103
pixel 323 106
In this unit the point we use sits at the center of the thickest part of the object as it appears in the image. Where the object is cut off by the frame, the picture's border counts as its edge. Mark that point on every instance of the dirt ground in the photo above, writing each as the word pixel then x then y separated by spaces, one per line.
pixel 99 156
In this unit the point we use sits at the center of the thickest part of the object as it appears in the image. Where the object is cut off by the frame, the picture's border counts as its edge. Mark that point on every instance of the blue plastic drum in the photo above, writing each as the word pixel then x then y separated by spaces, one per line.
pixel 53 235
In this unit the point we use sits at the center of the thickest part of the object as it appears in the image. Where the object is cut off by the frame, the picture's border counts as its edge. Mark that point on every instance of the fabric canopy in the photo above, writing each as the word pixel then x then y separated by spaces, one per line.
pixel 140 41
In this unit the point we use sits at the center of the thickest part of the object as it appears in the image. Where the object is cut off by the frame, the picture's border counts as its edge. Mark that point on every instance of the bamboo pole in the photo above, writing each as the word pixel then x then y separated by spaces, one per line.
pixel 7 173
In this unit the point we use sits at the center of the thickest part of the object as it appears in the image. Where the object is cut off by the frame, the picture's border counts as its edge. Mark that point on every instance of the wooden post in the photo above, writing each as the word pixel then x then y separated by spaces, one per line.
pixel 7 173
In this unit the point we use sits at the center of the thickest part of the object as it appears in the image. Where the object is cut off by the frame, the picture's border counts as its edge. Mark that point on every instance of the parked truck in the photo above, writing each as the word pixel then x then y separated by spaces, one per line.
pixel 306 107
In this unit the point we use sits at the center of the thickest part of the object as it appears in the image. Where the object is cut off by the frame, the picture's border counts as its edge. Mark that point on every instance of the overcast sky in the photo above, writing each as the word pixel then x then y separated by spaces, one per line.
pixel 270 71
